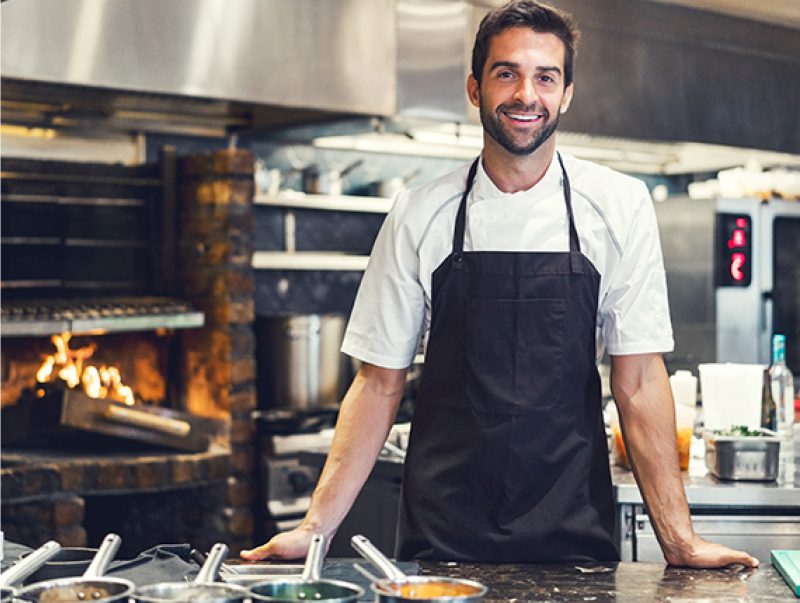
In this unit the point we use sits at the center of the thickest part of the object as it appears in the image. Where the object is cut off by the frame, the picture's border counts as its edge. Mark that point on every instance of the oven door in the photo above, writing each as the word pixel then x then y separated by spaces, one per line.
pixel 756 534
pixel 782 278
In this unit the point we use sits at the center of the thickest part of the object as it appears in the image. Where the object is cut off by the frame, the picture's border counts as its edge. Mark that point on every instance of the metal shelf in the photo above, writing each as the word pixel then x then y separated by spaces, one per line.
pixel 296 200
pixel 308 260
pixel 99 315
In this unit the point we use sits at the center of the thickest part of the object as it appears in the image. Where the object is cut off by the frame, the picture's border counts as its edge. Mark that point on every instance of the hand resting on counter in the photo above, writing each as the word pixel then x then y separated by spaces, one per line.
pixel 702 554
pixel 286 545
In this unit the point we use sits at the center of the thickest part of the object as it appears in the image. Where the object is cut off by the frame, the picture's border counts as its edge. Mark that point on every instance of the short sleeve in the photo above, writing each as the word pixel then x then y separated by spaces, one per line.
pixel 634 313
pixel 388 314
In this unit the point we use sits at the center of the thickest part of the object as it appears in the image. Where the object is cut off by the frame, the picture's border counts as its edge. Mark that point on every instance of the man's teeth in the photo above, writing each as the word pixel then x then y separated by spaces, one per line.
pixel 523 117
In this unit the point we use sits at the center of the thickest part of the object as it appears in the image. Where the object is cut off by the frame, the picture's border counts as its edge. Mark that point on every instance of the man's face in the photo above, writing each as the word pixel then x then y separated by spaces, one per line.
pixel 522 91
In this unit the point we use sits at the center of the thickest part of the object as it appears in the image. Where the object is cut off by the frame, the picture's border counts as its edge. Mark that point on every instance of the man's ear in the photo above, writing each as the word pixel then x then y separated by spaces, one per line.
pixel 567 100
pixel 473 91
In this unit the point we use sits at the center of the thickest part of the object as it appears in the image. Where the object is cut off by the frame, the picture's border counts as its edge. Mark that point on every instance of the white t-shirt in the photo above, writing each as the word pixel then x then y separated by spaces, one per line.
pixel 616 226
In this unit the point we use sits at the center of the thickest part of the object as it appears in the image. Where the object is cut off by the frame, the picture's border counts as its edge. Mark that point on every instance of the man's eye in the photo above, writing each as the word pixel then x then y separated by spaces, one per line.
pixel 505 75
pixel 547 79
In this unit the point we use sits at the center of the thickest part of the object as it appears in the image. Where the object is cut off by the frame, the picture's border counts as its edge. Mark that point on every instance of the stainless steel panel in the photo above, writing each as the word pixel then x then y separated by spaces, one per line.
pixel 755 534
pixel 432 58
pixel 337 55
pixel 687 233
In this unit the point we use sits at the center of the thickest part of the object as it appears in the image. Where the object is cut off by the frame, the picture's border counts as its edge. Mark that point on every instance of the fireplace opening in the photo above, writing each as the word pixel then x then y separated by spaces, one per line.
pixel 126 325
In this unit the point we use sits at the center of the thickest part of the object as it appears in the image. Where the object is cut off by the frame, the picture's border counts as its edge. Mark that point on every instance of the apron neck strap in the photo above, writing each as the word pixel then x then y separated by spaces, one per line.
pixel 574 242
pixel 461 217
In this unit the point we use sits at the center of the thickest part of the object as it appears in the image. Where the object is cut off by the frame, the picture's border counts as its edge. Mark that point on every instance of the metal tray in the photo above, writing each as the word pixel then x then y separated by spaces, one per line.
pixel 743 458
pixel 252 573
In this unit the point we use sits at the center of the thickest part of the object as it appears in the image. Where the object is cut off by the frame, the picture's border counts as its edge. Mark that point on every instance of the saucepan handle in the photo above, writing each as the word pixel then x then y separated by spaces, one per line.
pixel 369 552
pixel 312 570
pixel 29 564
pixel 210 570
pixel 104 556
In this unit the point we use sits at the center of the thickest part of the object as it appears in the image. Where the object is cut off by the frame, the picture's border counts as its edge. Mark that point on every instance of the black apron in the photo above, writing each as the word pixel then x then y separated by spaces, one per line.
pixel 507 458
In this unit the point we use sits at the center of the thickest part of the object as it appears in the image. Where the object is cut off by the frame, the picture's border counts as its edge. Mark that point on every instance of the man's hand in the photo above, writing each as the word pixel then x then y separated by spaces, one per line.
pixel 286 545
pixel 704 554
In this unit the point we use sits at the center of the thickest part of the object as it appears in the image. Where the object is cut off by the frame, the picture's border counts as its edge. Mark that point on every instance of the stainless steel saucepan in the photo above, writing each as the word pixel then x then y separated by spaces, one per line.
pixel 23 568
pixel 92 586
pixel 400 588
pixel 309 586
pixel 67 563
pixel 326 182
pixel 204 588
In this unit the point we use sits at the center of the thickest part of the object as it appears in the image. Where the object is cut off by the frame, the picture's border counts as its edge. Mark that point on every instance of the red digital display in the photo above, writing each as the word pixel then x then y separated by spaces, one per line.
pixel 738 239
pixel 738 261
pixel 734 250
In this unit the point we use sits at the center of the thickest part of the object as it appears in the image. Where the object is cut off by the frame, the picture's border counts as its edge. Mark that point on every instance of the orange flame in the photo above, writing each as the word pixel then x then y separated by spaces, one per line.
pixel 98 382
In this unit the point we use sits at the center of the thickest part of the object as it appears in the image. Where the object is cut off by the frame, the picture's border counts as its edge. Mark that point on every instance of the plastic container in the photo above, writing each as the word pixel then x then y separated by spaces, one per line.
pixel 684 392
pixel 731 395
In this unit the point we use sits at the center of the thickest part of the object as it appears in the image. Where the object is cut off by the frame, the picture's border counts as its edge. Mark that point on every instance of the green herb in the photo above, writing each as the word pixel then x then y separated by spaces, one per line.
pixel 740 430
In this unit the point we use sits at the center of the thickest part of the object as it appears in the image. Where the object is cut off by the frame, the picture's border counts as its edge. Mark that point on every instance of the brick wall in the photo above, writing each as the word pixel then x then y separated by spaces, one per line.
pixel 216 225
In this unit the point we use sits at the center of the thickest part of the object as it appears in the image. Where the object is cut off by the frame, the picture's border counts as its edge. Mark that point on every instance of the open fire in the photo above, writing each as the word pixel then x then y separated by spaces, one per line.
pixel 70 366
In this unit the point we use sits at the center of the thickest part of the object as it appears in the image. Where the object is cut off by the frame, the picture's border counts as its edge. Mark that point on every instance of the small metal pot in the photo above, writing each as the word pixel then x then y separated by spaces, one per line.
pixel 66 563
pixel 389 187
pixel 326 182
pixel 309 586
pixel 399 588
pixel 92 586
pixel 204 588
pixel 24 567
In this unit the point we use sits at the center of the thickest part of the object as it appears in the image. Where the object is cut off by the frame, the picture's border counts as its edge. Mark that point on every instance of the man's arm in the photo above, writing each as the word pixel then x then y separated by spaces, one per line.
pixel 365 418
pixel 641 390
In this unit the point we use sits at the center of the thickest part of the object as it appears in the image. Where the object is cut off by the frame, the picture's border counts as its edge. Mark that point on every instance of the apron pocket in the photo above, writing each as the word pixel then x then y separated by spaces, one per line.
pixel 514 355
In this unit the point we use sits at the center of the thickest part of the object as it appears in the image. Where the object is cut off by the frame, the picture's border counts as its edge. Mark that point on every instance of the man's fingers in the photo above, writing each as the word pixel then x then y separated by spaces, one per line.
pixel 740 557
pixel 258 553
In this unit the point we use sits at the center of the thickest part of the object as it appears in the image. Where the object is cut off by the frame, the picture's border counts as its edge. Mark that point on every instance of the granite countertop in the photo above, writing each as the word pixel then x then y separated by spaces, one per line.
pixel 636 582
pixel 565 582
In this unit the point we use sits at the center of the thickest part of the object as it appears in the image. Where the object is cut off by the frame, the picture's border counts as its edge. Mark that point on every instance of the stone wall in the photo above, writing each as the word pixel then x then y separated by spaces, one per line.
pixel 216 244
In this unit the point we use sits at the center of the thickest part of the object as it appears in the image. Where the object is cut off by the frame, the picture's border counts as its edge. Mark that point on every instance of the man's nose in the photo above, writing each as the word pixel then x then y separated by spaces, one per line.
pixel 525 92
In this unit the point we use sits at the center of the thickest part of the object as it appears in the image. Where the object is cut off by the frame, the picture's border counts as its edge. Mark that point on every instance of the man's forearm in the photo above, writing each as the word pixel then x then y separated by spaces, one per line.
pixel 365 418
pixel 641 390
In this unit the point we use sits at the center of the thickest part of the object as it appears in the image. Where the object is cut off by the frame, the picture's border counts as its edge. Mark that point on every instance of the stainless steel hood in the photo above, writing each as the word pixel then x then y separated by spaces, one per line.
pixel 645 70
pixel 652 70
pixel 336 55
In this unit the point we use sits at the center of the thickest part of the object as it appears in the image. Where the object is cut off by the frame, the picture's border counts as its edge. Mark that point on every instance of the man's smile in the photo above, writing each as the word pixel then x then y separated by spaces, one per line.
pixel 522 117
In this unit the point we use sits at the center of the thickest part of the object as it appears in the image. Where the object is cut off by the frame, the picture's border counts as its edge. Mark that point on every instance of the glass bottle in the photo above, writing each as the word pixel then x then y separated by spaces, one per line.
pixel 782 386
pixel 769 411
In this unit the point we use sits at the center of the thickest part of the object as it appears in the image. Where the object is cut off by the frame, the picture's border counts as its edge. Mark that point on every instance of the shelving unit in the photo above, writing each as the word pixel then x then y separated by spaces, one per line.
pixel 289 258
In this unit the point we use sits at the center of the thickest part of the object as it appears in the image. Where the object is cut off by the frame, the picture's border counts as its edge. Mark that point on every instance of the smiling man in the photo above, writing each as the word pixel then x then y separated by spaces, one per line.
pixel 518 270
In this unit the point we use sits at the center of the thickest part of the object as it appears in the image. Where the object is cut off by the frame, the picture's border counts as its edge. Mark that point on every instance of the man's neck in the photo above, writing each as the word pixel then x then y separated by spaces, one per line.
pixel 511 173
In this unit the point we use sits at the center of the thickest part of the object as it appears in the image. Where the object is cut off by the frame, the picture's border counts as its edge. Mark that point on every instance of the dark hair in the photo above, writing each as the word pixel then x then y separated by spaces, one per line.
pixel 540 17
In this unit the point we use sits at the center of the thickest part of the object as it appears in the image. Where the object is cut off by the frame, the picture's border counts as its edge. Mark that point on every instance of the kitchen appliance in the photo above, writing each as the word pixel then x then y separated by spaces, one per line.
pixel 299 363
pixel 284 482
pixel 733 275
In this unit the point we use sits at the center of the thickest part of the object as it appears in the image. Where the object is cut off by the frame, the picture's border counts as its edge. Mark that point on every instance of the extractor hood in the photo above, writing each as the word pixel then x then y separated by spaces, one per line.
pixel 654 71
pixel 336 55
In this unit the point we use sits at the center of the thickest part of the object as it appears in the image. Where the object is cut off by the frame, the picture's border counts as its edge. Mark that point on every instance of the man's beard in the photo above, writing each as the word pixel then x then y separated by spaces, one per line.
pixel 498 132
